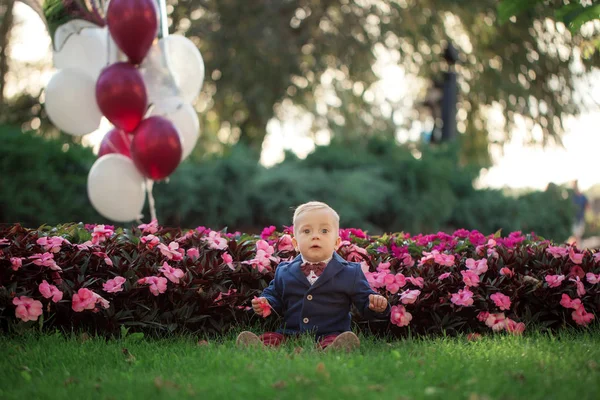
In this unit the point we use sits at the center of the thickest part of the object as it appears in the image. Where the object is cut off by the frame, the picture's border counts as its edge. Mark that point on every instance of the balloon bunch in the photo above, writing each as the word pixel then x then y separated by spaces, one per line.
pixel 142 85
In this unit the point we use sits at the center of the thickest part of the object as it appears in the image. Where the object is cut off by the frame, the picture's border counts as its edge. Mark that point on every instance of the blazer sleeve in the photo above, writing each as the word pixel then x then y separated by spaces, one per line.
pixel 273 292
pixel 360 297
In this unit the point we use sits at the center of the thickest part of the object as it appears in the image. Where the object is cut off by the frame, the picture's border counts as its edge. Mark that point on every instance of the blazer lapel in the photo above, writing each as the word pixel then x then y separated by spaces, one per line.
pixel 336 264
pixel 297 272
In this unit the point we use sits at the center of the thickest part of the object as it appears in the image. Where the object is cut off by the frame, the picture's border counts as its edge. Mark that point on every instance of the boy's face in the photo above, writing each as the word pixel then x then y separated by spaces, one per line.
pixel 316 235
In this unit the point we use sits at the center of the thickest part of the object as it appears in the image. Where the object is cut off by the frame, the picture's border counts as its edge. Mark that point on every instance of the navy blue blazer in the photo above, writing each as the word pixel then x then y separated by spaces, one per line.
pixel 324 307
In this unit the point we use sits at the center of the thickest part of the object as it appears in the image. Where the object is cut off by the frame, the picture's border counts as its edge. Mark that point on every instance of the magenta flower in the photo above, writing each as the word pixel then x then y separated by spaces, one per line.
pixel 152 227
pixel 114 285
pixel 285 243
pixel 554 280
pixel 399 316
pixel 101 233
pixel 158 284
pixel 193 253
pixel 575 257
pixel 591 278
pixel 479 267
pixel 173 274
pixel 16 262
pixel 46 260
pixel 496 321
pixel 228 260
pixel 27 309
pixel 463 298
pixel 409 296
pixel 173 252
pixel 502 301
pixel 266 232
pixel 50 291
pixel 470 278
pixel 444 276
pixel 483 315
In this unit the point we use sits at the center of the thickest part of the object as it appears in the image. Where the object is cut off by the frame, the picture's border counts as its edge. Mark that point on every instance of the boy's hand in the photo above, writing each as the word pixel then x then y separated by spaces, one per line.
pixel 260 304
pixel 377 303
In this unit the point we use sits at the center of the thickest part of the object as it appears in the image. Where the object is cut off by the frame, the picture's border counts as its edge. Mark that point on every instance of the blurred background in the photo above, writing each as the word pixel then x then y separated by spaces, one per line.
pixel 403 115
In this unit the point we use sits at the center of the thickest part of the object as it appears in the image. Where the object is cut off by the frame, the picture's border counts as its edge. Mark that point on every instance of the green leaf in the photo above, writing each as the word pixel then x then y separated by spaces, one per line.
pixel 574 15
pixel 509 8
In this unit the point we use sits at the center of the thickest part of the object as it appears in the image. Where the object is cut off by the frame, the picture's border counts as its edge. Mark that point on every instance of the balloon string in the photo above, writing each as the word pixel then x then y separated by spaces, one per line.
pixel 149 185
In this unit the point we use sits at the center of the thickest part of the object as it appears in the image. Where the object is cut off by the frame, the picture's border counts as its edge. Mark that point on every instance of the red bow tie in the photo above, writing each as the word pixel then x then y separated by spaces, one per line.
pixel 316 267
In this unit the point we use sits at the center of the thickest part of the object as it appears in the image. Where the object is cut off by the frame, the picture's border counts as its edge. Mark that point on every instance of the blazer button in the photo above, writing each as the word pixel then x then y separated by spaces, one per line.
pixel 305 320
pixel 309 297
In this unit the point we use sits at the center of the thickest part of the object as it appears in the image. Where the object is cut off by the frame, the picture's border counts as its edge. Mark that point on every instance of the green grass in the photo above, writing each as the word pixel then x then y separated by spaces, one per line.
pixel 535 366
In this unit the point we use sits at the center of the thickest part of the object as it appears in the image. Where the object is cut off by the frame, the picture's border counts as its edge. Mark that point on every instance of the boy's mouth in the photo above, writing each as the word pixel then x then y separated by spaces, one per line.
pixel 315 246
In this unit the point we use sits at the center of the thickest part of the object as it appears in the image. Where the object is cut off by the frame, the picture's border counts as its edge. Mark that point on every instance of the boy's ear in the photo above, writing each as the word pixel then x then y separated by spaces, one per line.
pixel 295 243
pixel 338 242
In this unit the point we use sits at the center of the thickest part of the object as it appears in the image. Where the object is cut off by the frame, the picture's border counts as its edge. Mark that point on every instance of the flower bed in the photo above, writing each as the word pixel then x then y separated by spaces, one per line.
pixel 160 280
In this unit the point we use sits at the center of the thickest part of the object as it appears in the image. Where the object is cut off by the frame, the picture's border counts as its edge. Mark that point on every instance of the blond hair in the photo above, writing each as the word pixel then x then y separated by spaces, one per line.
pixel 312 206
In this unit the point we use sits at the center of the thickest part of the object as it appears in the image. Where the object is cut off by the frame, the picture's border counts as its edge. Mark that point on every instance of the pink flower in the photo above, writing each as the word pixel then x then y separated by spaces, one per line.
pixel 444 276
pixel 393 283
pixel 496 321
pixel 185 237
pixel 173 252
pixel 364 267
pixel 50 291
pixel 567 302
pixel 437 257
pixel 479 267
pixel 51 243
pixel 114 285
pixel 215 241
pixel 502 301
pixel 173 274
pixel 507 272
pixel 228 260
pixel 575 258
pixel 579 285
pixel 554 280
pixel 86 245
pixel 16 262
pixel 158 284
pixel 355 253
pixel 463 298
pixel 27 309
pixel 399 316
pixel 582 317
pixel 591 278
pixel 597 257
pixel 85 299
pixel 557 252
pixel 265 307
pixel 46 259
pixel 384 267
pixel 266 232
pixel 285 243
pixel 483 315
pixel 407 260
pixel 193 253
pixel 4 241
pixel 418 282
pixel 576 271
pixel 470 278
pixel 150 240
pixel 152 227
pixel 376 279
pixel 101 232
pixel 409 296
pixel 514 327
pixel 103 255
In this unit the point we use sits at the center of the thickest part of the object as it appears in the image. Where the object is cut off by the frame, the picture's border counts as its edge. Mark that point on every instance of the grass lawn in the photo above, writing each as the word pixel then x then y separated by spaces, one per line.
pixel 536 366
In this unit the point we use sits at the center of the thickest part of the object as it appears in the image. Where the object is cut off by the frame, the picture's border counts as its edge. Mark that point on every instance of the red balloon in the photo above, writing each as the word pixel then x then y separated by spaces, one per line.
pixel 156 148
pixel 121 95
pixel 115 141
pixel 133 24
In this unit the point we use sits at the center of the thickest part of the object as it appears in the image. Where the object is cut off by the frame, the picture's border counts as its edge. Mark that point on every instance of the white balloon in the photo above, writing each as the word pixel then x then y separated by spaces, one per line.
pixel 116 188
pixel 185 119
pixel 71 102
pixel 86 50
pixel 173 66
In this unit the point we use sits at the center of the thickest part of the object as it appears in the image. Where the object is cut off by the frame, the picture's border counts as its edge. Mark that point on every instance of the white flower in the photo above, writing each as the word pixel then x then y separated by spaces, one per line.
pixel 585 3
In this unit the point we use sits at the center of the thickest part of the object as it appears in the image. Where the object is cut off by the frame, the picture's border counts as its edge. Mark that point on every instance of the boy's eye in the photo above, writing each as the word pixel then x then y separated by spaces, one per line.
pixel 324 230
pixel 306 231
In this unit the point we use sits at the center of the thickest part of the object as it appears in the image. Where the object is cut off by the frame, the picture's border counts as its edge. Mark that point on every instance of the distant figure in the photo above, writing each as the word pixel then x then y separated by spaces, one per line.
pixel 581 206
